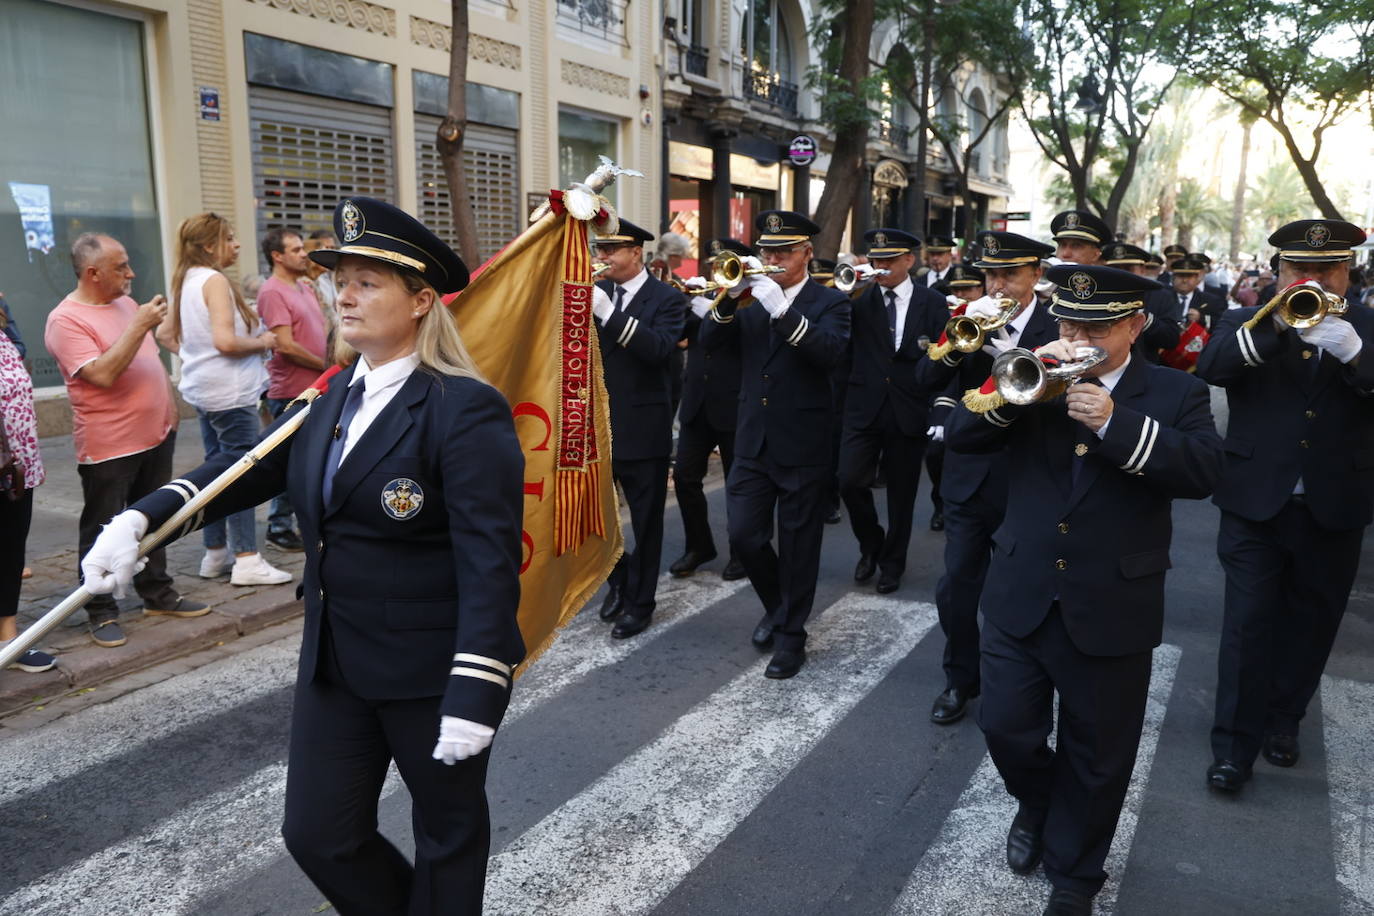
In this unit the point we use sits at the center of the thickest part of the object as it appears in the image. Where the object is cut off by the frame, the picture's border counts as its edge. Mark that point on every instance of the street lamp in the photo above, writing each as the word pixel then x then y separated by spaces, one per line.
pixel 1090 100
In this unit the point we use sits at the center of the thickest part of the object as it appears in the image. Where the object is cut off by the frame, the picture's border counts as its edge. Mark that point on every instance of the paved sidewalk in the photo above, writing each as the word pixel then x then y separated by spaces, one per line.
pixel 51 553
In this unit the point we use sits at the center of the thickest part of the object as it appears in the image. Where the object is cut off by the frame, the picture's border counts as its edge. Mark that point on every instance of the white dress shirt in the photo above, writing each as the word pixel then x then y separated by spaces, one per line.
pixel 379 387
pixel 1018 324
pixel 934 276
pixel 903 291
pixel 631 287
pixel 1109 382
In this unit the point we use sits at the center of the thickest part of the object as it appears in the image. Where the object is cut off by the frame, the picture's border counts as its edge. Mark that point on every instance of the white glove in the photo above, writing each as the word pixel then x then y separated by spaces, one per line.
pixel 695 283
pixel 867 271
pixel 985 307
pixel 997 343
pixel 936 434
pixel 602 307
pixel 1336 336
pixel 953 301
pixel 769 294
pixel 750 263
pixel 460 739
pixel 112 562
pixel 701 306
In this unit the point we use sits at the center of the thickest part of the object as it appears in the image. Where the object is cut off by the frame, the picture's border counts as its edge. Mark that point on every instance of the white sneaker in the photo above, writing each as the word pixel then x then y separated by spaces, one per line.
pixel 254 570
pixel 216 563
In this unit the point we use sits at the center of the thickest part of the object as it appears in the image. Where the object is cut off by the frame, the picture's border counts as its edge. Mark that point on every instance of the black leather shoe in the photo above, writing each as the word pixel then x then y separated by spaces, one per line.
pixel 887 584
pixel 733 570
pixel 1025 841
pixel 763 635
pixel 865 568
pixel 785 663
pixel 1282 750
pixel 612 604
pixel 287 540
pixel 834 518
pixel 937 522
pixel 1064 902
pixel 629 625
pixel 1225 776
pixel 687 564
pixel 950 706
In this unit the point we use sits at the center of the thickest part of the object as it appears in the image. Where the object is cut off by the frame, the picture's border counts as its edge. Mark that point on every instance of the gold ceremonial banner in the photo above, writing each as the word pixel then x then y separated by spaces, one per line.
pixel 526 318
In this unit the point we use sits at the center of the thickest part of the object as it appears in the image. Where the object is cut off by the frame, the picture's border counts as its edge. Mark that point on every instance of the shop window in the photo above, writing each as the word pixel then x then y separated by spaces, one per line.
pixel 581 139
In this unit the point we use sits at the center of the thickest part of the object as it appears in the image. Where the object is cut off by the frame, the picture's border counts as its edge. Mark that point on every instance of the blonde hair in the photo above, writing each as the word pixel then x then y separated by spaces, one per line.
pixel 438 343
pixel 199 238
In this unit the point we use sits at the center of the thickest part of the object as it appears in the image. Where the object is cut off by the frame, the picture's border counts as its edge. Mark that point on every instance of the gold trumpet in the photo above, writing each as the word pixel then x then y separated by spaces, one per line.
pixel 1023 379
pixel 599 268
pixel 727 269
pixel 1304 305
pixel 847 277
pixel 967 333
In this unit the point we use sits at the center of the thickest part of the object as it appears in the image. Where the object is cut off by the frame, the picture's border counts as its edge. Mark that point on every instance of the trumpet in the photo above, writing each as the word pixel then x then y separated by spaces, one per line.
pixel 599 268
pixel 727 269
pixel 847 276
pixel 1304 305
pixel 1023 379
pixel 967 334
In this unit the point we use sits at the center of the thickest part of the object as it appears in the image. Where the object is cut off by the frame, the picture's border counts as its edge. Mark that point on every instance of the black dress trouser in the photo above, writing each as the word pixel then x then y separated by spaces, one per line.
pixel 899 455
pixel 968 553
pixel 1080 786
pixel 1287 584
pixel 644 483
pixel 696 439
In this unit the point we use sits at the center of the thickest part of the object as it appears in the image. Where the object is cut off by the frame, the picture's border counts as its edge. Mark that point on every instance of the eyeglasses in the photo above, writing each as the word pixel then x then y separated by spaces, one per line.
pixel 1098 330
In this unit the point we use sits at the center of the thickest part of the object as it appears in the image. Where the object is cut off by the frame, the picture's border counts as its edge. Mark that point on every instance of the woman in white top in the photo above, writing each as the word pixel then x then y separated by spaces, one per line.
pixel 222 346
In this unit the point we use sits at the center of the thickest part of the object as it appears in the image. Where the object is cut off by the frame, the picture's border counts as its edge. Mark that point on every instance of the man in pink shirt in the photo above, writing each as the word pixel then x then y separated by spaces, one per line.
pixel 289 310
pixel 123 417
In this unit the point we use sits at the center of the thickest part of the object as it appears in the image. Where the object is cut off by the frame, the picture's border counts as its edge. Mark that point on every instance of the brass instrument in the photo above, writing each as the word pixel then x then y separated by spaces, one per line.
pixel 847 276
pixel 599 268
pixel 727 269
pixel 967 334
pixel 1304 305
pixel 1023 379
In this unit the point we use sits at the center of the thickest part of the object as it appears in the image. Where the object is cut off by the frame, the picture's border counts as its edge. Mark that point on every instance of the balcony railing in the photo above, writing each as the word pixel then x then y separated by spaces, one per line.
pixel 771 89
pixel 603 19
pixel 697 58
pixel 895 134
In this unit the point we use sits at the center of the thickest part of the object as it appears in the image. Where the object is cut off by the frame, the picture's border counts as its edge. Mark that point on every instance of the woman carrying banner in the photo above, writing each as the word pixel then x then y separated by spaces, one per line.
pixel 409 480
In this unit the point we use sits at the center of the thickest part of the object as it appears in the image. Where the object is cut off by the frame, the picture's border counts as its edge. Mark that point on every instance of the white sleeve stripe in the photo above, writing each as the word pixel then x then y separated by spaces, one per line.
pixel 996 419
pixel 949 360
pixel 188 485
pixel 1149 433
pixel 718 318
pixel 1149 320
pixel 180 488
pixel 946 402
pixel 631 325
pixel 800 332
pixel 496 679
pixel 485 661
pixel 1248 350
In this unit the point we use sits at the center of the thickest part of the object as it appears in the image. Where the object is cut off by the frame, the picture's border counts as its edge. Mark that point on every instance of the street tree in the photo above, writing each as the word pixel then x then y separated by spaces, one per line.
pixel 1097 86
pixel 451 134
pixel 1301 67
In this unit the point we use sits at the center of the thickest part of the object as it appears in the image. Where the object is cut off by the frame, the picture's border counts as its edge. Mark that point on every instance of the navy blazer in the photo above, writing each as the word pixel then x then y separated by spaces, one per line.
pixel 785 390
pixel 712 379
pixel 965 473
pixel 1291 420
pixel 1099 546
pixel 421 602
pixel 637 346
pixel 1163 324
pixel 883 372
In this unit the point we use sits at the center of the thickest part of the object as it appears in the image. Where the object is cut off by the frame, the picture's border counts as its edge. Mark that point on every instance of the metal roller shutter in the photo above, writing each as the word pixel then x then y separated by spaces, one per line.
pixel 491 159
pixel 309 152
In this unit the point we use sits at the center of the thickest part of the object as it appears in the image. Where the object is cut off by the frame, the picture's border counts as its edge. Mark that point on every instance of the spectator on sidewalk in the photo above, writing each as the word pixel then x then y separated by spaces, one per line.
pixel 222 345
pixel 124 421
pixel 322 281
pixel 10 329
pixel 21 469
pixel 289 310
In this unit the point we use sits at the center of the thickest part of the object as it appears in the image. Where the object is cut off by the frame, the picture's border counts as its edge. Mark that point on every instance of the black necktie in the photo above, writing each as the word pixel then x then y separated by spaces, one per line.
pixel 892 316
pixel 336 445
pixel 619 298
pixel 1082 436
pixel 1183 306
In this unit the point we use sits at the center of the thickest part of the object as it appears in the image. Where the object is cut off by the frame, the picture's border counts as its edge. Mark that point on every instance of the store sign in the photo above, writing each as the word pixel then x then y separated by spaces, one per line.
pixel 999 225
pixel 802 151
pixel 1018 215
pixel 209 104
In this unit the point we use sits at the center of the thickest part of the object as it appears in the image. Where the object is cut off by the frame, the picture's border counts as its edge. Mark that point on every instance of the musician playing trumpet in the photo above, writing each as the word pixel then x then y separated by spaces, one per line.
pixel 1074 600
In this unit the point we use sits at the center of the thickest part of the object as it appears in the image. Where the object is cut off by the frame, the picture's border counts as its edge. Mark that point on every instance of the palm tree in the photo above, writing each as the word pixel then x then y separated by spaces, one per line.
pixel 1198 209
pixel 1278 196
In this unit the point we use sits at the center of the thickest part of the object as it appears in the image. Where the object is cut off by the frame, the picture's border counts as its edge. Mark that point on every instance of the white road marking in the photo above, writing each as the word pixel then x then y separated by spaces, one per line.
pixel 36 758
pixel 965 872
pixel 624 843
pixel 1348 726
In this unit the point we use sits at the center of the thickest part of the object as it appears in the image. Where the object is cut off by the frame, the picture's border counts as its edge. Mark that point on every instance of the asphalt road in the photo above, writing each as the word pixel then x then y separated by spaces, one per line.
pixel 664 774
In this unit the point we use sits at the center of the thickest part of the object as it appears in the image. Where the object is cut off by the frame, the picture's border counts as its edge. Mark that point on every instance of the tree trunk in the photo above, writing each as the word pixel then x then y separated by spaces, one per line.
pixel 918 181
pixel 1167 203
pixel 1185 235
pixel 843 178
pixel 1238 203
pixel 450 138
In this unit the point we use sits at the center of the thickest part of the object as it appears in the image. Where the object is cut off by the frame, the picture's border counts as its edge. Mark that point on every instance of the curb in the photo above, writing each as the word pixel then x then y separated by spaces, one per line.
pixel 152 640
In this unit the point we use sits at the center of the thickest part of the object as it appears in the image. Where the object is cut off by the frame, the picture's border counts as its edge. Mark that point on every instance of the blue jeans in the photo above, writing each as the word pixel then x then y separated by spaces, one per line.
pixel 230 432
pixel 282 518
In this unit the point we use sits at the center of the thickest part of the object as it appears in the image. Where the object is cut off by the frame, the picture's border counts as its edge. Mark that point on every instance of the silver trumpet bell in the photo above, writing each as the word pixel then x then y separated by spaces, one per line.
pixel 1023 379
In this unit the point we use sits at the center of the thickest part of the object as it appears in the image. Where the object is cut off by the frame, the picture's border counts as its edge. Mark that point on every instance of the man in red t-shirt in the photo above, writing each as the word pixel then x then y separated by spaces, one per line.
pixel 290 310
pixel 124 421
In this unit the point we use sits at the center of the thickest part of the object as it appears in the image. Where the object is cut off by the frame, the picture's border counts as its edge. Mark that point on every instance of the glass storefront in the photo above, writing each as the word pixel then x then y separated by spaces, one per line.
pixel 581 139
pixel 76 157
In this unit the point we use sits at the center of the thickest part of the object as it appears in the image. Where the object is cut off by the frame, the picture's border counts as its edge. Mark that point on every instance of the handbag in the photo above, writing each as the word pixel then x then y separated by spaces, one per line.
pixel 11 471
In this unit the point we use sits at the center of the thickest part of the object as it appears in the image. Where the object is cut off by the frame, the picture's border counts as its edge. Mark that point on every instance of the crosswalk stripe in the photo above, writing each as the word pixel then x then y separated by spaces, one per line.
pixel 1348 726
pixel 586 645
pixel 99 733
pixel 620 846
pixel 964 870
